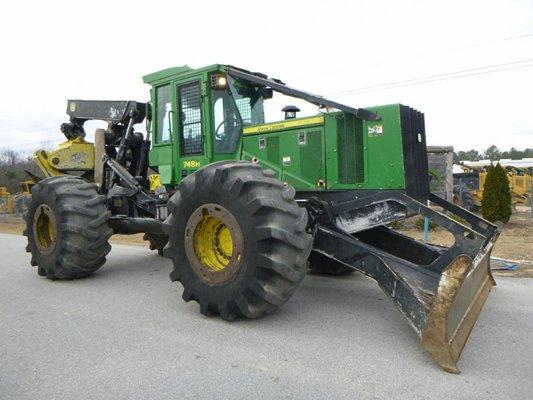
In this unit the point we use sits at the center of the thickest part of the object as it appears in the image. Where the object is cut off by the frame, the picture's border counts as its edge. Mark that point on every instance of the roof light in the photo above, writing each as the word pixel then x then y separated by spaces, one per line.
pixel 219 82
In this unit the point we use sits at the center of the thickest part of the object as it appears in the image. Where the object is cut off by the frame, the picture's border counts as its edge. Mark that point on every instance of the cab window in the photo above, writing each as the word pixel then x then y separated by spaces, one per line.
pixel 249 101
pixel 190 127
pixel 163 106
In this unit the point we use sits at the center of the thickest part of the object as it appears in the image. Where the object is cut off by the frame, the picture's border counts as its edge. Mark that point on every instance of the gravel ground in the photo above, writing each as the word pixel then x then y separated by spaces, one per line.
pixel 124 333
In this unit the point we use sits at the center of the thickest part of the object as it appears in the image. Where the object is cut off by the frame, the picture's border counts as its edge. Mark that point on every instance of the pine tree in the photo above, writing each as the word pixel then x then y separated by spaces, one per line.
pixel 496 201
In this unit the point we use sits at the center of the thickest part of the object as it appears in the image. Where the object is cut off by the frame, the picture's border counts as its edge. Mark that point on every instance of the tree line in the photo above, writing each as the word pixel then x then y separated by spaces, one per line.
pixel 492 153
pixel 12 169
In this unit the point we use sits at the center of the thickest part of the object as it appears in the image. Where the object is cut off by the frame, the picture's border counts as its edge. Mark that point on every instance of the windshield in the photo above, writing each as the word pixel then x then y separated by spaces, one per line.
pixel 249 101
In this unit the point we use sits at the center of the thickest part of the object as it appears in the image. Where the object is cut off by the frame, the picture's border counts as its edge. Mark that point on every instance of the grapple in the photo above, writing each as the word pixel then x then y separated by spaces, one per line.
pixel 440 290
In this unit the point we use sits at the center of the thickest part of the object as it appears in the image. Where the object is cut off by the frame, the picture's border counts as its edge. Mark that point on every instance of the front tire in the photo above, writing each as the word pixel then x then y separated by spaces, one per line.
pixel 66 227
pixel 237 240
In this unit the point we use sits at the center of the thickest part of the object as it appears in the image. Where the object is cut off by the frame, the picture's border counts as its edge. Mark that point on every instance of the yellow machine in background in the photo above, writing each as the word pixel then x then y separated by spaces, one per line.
pixel 16 203
pixel 22 197
pixel 520 182
pixel 6 201
pixel 468 189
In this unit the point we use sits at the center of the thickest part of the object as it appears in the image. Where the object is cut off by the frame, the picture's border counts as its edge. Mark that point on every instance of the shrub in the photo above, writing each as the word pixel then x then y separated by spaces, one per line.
pixel 420 224
pixel 397 225
pixel 496 200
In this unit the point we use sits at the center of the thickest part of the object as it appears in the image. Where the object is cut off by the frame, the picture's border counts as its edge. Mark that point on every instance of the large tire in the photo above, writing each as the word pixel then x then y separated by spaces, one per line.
pixel 325 265
pixel 66 227
pixel 267 258
pixel 156 242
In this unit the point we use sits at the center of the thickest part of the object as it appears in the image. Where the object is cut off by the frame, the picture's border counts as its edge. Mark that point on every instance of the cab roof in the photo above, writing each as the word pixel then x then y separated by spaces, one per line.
pixel 178 72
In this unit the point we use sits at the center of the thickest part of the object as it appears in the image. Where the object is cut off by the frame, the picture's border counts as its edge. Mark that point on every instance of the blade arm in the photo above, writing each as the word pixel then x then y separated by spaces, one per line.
pixel 320 101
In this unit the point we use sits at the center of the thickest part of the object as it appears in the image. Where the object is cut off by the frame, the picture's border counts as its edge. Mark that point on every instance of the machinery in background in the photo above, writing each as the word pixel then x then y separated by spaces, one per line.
pixel 6 201
pixel 21 199
pixel 17 203
pixel 468 184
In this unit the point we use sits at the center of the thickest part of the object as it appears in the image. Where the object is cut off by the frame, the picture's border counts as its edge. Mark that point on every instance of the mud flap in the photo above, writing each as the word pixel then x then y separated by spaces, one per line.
pixel 441 291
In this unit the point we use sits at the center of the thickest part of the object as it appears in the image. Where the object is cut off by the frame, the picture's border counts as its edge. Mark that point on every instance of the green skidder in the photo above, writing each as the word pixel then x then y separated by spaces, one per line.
pixel 240 204
pixel 496 201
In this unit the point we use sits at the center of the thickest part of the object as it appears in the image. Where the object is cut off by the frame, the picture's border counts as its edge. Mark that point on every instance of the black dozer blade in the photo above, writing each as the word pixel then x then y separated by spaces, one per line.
pixel 441 291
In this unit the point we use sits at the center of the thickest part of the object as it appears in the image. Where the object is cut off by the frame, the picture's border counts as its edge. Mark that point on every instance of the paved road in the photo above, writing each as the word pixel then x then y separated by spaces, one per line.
pixel 124 333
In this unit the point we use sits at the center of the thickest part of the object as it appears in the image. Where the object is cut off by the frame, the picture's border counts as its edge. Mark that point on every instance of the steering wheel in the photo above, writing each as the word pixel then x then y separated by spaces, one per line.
pixel 222 135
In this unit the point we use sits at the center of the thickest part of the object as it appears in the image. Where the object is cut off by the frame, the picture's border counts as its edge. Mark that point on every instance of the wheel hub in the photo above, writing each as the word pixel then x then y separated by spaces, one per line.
pixel 214 243
pixel 44 229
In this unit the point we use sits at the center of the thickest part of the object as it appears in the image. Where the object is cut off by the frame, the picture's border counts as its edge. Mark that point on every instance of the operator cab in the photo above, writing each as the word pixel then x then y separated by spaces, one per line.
pixel 200 115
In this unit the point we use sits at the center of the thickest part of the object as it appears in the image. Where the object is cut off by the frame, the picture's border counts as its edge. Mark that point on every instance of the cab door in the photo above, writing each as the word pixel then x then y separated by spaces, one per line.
pixel 161 154
pixel 190 128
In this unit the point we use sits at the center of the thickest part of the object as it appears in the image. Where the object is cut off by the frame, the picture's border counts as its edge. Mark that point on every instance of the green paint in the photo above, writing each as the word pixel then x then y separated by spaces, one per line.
pixel 335 151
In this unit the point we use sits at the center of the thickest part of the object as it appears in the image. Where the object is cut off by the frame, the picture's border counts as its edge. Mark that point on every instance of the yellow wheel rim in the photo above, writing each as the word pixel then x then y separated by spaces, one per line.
pixel 214 243
pixel 44 229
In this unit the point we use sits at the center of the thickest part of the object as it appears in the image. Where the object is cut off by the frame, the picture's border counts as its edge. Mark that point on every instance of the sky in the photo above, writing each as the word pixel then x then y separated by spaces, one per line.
pixel 468 65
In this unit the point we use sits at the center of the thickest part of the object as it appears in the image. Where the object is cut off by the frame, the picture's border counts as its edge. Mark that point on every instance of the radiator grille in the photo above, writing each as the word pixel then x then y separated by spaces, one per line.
pixel 350 151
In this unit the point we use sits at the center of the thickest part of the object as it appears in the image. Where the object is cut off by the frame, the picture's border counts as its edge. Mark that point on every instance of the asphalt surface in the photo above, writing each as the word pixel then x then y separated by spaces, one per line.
pixel 125 333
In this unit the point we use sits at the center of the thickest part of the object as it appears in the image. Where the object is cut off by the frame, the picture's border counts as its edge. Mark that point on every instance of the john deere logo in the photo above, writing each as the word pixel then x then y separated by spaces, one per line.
pixel 376 130
pixel 72 107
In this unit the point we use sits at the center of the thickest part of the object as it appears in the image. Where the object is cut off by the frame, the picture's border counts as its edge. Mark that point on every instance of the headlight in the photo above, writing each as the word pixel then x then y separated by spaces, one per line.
pixel 219 82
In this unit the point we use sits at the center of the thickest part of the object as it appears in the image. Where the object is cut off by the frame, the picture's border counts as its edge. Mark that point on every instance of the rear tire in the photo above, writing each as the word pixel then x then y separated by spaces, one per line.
pixel 66 227
pixel 266 258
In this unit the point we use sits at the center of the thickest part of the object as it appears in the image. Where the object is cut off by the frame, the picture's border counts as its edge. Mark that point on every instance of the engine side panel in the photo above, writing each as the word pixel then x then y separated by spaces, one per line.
pixel 333 151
